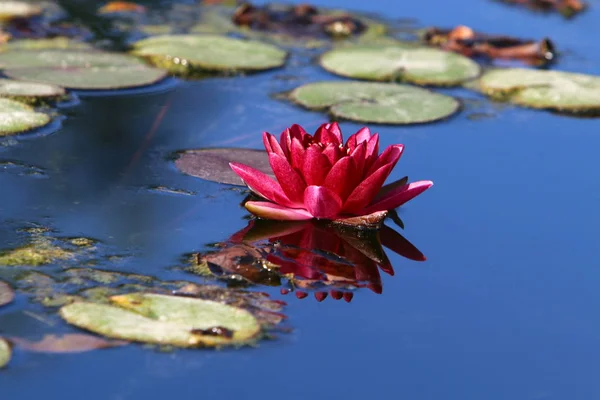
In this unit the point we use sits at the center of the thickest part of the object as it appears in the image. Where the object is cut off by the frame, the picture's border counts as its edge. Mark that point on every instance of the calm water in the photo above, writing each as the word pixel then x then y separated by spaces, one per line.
pixel 504 308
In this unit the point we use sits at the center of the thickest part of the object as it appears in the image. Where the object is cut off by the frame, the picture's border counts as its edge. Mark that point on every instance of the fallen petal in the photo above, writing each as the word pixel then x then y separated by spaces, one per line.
pixel 274 211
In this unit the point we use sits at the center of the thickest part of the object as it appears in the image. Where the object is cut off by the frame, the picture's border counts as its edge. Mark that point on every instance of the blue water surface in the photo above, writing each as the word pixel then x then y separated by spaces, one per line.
pixel 505 307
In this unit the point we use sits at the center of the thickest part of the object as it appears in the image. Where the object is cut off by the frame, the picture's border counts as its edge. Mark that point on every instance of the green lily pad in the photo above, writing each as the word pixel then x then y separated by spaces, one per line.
pixel 79 69
pixel 16 117
pixel 163 319
pixel 422 66
pixel 185 54
pixel 553 90
pixel 382 103
pixel 5 353
pixel 6 294
pixel 46 44
pixel 29 91
pixel 212 164
pixel 18 9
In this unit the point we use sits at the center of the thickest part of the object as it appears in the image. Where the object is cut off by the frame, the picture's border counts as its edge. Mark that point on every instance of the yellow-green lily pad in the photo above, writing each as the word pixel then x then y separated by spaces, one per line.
pixel 553 90
pixel 16 117
pixel 166 320
pixel 382 103
pixel 18 9
pixel 29 91
pixel 46 44
pixel 185 54
pixel 421 65
pixel 79 69
pixel 5 353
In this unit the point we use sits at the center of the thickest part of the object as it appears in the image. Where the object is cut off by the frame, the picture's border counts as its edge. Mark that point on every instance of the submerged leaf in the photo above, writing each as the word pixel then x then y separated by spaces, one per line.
pixel 7 294
pixel 423 66
pixel 212 164
pixel 163 319
pixel 16 117
pixel 210 53
pixel 69 343
pixel 5 353
pixel 79 69
pixel 554 90
pixel 383 103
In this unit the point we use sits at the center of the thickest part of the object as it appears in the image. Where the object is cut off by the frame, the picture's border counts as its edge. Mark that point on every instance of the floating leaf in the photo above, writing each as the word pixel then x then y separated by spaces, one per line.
pixel 69 343
pixel 212 164
pixel 17 9
pixel 17 117
pixel 34 254
pixel 79 69
pixel 383 103
pixel 29 91
pixel 162 319
pixel 5 353
pixel 553 90
pixel 6 294
pixel 46 44
pixel 184 54
pixel 423 66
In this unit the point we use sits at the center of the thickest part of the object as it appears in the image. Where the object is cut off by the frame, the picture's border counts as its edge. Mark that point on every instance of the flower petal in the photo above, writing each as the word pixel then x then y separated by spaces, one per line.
pixel 342 177
pixel 261 184
pixel 322 202
pixel 372 151
pixel 358 157
pixel 329 133
pixel 333 153
pixel 399 196
pixel 362 135
pixel 366 191
pixel 291 182
pixel 316 166
pixel 271 144
pixel 390 155
pixel 297 154
pixel 268 210
pixel 296 131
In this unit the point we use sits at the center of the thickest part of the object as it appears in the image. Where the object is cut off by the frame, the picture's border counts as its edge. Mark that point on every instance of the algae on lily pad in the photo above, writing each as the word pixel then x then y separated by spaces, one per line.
pixel 185 54
pixel 5 353
pixel 212 164
pixel 16 117
pixel 29 91
pixel 79 69
pixel 18 9
pixel 420 65
pixel 382 103
pixel 553 90
pixel 34 254
pixel 164 319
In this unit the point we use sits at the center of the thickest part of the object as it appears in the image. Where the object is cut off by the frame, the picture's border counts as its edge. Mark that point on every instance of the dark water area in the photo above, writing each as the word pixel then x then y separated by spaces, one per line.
pixel 505 307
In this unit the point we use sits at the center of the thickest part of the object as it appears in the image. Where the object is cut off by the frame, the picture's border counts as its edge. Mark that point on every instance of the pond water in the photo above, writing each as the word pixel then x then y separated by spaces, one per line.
pixel 503 308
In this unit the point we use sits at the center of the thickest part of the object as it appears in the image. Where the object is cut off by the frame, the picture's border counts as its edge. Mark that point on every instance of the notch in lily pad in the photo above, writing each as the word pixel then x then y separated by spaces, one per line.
pixel 191 55
pixel 166 320
pixel 564 92
pixel 420 65
pixel 85 70
pixel 381 103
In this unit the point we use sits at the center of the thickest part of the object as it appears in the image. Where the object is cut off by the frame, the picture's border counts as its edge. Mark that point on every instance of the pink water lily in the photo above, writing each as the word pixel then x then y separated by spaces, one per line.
pixel 321 177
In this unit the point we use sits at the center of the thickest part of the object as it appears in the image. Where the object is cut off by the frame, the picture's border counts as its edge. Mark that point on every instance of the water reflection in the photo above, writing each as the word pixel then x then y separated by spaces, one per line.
pixel 307 256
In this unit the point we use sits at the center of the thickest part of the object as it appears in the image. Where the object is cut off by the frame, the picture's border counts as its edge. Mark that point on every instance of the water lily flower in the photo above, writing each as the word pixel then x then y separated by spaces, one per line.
pixel 322 177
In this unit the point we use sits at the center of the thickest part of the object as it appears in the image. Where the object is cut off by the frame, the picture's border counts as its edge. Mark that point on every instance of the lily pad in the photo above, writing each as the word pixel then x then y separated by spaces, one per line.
pixel 421 65
pixel 29 91
pixel 383 103
pixel 46 44
pixel 212 164
pixel 5 353
pixel 184 54
pixel 553 90
pixel 163 319
pixel 79 69
pixel 16 117
pixel 18 9
pixel 6 294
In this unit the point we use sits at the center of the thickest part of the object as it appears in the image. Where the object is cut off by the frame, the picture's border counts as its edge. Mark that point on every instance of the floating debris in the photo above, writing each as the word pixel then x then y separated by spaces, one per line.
pixel 567 8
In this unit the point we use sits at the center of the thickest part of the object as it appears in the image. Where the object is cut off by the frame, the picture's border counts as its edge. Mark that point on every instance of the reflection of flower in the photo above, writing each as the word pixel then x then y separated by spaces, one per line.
pixel 320 177
pixel 311 255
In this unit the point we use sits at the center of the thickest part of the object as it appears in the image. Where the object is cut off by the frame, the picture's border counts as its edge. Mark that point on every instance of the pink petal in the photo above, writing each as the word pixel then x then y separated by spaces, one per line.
pixel 333 153
pixel 322 202
pixel 399 196
pixel 366 191
pixel 268 210
pixel 316 166
pixel 358 156
pixel 329 133
pixel 342 177
pixel 362 135
pixel 261 184
pixel 271 144
pixel 297 154
pixel 286 142
pixel 372 151
pixel 390 155
pixel 296 131
pixel 291 182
